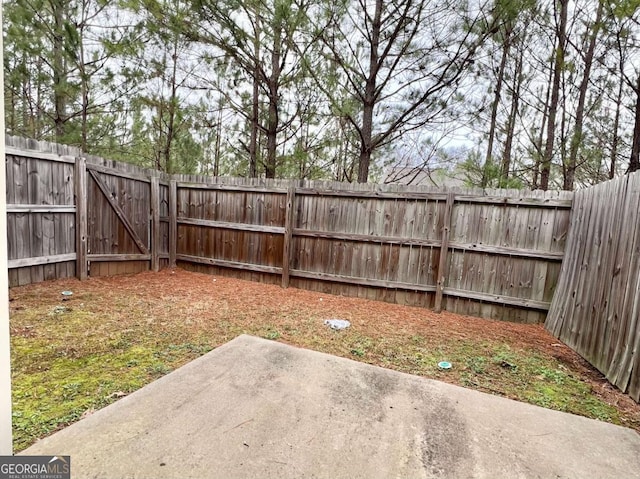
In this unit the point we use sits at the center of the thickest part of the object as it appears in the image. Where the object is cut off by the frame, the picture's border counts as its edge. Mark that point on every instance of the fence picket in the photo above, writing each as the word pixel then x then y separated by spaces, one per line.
pixel 376 241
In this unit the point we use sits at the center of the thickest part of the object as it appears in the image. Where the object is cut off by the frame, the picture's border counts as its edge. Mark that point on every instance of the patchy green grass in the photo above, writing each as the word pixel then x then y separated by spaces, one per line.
pixel 67 373
pixel 118 334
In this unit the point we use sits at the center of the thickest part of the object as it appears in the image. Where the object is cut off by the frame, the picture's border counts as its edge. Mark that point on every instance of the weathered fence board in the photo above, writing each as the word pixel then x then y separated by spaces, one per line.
pixel 381 244
pixel 596 307
pixel 444 251
pixel 41 213
pixel 491 253
pixel 50 197
pixel 163 245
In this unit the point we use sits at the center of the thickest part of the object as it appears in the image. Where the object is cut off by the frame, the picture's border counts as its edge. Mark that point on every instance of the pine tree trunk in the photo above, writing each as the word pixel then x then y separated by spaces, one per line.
pixel 216 157
pixel 511 121
pixel 59 74
pixel 273 120
pixel 159 143
pixel 634 161
pixel 616 126
pixel 255 105
pixel 173 104
pixel 364 160
pixel 488 161
pixel 366 132
pixel 84 83
pixel 540 140
pixel 576 139
pixel 28 118
pixel 12 109
pixel 555 95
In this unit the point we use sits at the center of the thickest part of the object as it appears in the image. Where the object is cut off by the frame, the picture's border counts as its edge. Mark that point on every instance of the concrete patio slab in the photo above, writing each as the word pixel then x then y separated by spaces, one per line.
pixel 257 408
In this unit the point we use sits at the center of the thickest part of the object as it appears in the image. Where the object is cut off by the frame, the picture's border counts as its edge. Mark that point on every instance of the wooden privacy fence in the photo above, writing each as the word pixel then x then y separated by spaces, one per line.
pixel 486 253
pixel 68 215
pixel 596 308
pixel 493 256
pixel 41 216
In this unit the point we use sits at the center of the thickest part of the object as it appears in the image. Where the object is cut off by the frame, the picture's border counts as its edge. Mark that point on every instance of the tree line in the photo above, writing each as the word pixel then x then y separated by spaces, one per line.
pixel 502 93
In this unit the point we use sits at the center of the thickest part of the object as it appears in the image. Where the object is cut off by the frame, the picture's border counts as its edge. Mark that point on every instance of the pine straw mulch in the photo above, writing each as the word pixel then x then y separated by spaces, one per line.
pixel 176 307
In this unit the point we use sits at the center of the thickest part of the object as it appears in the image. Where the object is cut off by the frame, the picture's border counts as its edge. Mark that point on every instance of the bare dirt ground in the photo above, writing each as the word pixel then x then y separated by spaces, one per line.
pixel 138 327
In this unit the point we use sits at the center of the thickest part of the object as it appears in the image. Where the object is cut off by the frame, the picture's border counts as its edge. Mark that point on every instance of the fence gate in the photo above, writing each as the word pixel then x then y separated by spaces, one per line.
pixel 118 210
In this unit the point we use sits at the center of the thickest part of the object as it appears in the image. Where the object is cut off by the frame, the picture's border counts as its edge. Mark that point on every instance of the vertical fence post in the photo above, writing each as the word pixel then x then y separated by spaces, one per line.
pixel 288 234
pixel 80 178
pixel 173 222
pixel 444 252
pixel 155 223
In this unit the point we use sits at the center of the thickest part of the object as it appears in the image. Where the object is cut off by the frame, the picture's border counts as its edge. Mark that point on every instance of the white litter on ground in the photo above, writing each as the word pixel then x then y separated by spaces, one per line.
pixel 337 323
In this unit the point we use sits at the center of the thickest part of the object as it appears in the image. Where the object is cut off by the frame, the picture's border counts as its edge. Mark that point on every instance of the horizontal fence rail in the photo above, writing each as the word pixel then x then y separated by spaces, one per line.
pixel 488 253
pixel 423 243
pixel 71 215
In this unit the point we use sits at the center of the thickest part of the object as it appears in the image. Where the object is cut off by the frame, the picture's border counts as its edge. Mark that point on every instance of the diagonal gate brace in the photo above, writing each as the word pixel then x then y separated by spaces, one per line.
pixel 119 212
